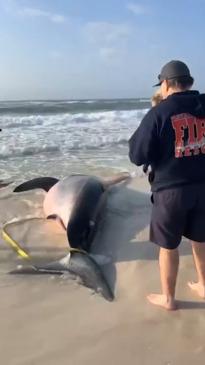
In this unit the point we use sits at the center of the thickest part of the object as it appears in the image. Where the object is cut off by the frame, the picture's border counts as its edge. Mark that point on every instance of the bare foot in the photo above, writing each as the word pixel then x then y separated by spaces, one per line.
pixel 198 288
pixel 162 301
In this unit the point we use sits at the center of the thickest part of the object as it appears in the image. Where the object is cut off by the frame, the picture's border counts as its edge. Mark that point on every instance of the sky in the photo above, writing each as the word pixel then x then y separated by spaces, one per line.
pixel 83 49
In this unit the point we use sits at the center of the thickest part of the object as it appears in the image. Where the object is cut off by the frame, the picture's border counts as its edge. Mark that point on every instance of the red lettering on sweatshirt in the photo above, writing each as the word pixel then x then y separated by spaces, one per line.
pixel 189 135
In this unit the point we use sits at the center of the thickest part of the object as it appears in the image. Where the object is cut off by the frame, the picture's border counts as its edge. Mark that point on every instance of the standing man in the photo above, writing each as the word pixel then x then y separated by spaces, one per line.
pixel 171 138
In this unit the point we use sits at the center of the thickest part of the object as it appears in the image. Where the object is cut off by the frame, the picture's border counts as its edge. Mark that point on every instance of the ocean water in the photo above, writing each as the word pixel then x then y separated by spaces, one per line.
pixel 56 138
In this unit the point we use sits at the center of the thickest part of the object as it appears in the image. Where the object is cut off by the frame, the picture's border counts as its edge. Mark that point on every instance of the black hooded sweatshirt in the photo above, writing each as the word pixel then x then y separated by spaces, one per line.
pixel 171 138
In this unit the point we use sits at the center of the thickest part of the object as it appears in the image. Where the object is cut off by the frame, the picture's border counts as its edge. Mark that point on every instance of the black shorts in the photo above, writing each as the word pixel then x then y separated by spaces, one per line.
pixel 178 212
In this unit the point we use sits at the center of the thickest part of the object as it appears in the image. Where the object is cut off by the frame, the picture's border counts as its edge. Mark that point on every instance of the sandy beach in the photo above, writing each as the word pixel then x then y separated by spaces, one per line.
pixel 52 320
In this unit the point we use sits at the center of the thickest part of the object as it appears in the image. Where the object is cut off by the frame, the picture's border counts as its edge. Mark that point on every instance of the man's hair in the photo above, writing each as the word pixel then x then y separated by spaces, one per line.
pixel 182 82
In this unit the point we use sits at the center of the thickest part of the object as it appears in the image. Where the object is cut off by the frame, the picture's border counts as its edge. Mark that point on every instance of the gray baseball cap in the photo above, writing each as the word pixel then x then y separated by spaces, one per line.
pixel 172 70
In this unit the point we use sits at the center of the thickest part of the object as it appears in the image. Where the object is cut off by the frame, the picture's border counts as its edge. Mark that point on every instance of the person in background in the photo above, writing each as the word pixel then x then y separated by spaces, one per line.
pixel 155 100
pixel 171 138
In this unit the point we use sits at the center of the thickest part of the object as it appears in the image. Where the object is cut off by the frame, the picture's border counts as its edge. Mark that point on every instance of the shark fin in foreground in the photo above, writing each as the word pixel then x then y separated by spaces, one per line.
pixel 77 264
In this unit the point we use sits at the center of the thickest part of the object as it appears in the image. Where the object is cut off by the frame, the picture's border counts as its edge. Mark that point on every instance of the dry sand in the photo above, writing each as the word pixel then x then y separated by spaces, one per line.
pixel 49 321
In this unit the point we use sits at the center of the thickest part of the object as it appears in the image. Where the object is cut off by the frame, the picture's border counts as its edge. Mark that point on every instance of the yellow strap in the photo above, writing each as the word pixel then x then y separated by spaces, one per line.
pixel 16 246
pixel 71 249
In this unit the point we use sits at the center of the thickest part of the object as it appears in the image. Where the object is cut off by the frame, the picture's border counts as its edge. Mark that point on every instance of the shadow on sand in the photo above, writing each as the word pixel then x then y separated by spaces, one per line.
pixel 187 305
pixel 124 231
